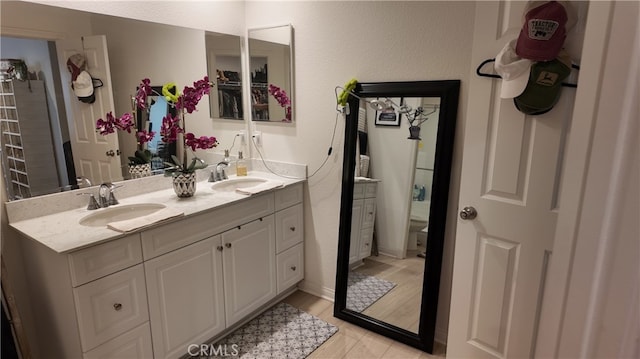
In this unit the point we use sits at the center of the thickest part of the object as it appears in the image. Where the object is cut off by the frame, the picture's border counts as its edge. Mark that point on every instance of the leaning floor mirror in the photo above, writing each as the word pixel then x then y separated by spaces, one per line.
pixel 395 183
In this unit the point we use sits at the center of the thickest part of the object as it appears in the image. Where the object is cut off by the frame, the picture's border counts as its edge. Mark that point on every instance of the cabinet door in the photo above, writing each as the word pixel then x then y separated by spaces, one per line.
pixel 356 223
pixel 249 267
pixel 185 297
pixel 369 213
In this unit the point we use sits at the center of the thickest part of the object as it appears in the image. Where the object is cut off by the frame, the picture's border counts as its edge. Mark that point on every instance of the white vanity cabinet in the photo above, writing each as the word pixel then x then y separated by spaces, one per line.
pixel 154 293
pixel 363 214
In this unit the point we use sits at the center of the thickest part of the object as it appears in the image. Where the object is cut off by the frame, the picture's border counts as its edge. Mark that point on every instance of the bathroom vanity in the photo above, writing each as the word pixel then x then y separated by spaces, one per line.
pixel 155 291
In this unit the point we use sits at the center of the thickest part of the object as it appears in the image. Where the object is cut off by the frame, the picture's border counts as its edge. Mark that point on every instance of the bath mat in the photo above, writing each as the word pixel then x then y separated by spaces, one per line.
pixel 364 290
pixel 281 332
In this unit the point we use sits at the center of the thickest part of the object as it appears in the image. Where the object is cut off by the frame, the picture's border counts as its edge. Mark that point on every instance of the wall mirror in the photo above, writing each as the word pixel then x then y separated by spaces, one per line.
pixel 271 73
pixel 136 49
pixel 224 67
pixel 393 207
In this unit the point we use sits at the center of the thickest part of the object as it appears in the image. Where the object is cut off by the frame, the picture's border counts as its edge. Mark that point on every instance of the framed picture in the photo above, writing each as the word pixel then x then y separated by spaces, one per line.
pixel 388 116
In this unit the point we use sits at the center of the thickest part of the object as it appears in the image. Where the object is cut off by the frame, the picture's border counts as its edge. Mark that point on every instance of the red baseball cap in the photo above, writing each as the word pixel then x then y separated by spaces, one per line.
pixel 543 32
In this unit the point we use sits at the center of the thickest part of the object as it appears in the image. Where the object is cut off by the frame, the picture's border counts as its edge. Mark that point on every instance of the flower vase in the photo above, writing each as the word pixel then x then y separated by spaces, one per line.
pixel 139 171
pixel 184 184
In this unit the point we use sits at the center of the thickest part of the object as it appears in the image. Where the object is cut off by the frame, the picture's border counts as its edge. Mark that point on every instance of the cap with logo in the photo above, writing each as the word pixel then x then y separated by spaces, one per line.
pixel 513 69
pixel 543 32
pixel 544 85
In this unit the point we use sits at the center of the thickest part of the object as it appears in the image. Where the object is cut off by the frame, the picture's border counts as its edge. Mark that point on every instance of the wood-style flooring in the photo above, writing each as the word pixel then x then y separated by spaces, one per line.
pixel 352 341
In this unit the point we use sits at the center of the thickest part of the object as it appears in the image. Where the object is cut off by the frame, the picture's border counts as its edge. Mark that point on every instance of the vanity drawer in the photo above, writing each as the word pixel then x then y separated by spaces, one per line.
pixel 370 190
pixel 369 213
pixel 366 239
pixel 110 306
pixel 290 267
pixel 103 259
pixel 289 227
pixel 172 236
pixel 135 343
pixel 288 196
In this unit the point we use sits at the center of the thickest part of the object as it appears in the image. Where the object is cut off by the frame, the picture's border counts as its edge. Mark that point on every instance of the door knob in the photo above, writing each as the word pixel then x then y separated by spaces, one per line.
pixel 468 213
pixel 111 153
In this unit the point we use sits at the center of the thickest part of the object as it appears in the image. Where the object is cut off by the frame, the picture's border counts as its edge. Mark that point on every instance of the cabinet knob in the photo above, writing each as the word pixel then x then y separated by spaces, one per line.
pixel 293 268
pixel 220 248
pixel 293 229
pixel 117 306
pixel 366 244
pixel 228 245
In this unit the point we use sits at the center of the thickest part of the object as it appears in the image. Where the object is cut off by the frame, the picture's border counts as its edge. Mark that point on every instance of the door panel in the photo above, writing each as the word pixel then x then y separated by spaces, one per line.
pixel 511 164
pixel 88 146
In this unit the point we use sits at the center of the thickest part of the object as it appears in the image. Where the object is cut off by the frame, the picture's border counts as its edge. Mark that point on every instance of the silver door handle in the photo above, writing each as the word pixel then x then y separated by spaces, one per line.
pixel 468 213
pixel 110 153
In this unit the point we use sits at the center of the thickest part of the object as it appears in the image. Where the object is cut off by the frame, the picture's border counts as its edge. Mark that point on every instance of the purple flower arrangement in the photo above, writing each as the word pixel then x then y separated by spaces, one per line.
pixel 172 126
pixel 283 100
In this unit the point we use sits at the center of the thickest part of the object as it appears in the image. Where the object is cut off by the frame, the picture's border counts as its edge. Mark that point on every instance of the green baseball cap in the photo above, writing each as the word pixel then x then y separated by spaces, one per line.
pixel 544 85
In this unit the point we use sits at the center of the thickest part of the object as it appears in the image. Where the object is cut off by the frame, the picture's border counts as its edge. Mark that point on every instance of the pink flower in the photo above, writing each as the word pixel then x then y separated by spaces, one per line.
pixel 124 123
pixel 144 90
pixel 280 95
pixel 170 129
pixel 144 136
pixel 191 96
pixel 203 142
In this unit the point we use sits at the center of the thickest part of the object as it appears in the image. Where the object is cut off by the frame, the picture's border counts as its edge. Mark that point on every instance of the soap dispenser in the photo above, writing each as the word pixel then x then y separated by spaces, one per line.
pixel 241 166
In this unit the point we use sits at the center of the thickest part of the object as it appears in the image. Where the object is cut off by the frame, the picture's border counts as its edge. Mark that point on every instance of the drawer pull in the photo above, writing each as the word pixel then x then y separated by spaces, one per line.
pixel 293 229
pixel 293 268
pixel 117 306
pixel 220 248
pixel 228 245
pixel 366 244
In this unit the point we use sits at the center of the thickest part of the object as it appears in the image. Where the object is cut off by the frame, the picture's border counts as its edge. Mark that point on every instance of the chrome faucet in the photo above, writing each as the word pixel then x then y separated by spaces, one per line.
pixel 105 195
pixel 218 173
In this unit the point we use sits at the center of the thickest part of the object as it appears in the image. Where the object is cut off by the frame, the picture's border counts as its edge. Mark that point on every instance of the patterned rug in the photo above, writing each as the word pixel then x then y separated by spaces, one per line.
pixel 281 332
pixel 364 290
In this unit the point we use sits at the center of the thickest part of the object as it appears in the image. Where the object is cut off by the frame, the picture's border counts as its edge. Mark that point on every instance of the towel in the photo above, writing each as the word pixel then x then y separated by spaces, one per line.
pixel 260 187
pixel 129 225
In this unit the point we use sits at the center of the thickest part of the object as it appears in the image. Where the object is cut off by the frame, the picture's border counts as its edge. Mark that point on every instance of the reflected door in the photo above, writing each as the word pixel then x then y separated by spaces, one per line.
pixel 509 175
pixel 95 157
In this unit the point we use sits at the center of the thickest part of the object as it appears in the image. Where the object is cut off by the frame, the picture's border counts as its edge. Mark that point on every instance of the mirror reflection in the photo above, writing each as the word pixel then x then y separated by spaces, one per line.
pixel 225 69
pixel 270 63
pixel 387 269
pixel 131 50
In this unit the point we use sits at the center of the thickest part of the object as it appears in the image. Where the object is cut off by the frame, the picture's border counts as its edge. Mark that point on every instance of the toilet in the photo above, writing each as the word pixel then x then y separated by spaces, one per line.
pixel 418 223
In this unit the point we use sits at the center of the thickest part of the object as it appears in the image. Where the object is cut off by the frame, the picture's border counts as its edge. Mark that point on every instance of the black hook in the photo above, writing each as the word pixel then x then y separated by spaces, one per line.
pixel 495 76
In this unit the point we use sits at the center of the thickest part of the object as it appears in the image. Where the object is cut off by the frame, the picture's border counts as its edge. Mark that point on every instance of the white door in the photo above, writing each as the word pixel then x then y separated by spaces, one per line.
pixel 185 294
pixel 249 262
pixel 95 157
pixel 510 172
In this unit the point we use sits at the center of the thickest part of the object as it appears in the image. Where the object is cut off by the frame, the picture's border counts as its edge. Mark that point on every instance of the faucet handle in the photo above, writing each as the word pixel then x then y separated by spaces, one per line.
pixel 112 198
pixel 93 204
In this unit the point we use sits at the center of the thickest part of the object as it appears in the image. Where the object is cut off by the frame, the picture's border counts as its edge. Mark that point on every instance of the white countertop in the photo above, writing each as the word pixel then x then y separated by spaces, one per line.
pixel 62 232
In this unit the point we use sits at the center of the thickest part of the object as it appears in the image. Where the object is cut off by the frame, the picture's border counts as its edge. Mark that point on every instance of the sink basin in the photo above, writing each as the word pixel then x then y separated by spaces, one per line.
pixel 101 217
pixel 232 184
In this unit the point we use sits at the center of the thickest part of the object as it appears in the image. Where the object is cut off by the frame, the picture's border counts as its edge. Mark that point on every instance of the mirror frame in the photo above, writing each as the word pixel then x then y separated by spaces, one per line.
pixel 448 92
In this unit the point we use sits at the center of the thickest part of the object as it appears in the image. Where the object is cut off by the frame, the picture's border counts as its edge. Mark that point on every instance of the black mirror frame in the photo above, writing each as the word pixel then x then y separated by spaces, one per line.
pixel 448 92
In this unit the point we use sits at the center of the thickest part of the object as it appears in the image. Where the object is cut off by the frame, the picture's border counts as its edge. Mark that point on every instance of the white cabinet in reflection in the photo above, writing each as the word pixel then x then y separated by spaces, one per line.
pixel 362 220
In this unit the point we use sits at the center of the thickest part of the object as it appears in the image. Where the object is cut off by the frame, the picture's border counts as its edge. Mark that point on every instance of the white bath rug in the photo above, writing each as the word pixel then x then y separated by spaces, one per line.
pixel 281 332
pixel 364 290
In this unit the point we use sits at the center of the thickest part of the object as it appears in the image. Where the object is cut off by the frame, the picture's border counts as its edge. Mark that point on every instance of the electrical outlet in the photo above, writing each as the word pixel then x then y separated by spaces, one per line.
pixel 257 138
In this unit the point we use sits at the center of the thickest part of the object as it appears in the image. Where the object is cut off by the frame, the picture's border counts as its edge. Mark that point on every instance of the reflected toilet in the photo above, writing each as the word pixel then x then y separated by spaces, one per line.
pixel 418 223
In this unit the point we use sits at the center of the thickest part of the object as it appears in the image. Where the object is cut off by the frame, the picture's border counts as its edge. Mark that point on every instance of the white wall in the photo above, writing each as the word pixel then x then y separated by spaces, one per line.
pixel 371 41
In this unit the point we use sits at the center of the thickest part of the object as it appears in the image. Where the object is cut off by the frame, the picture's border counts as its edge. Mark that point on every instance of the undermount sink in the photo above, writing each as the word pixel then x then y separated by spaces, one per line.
pixel 230 185
pixel 102 217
